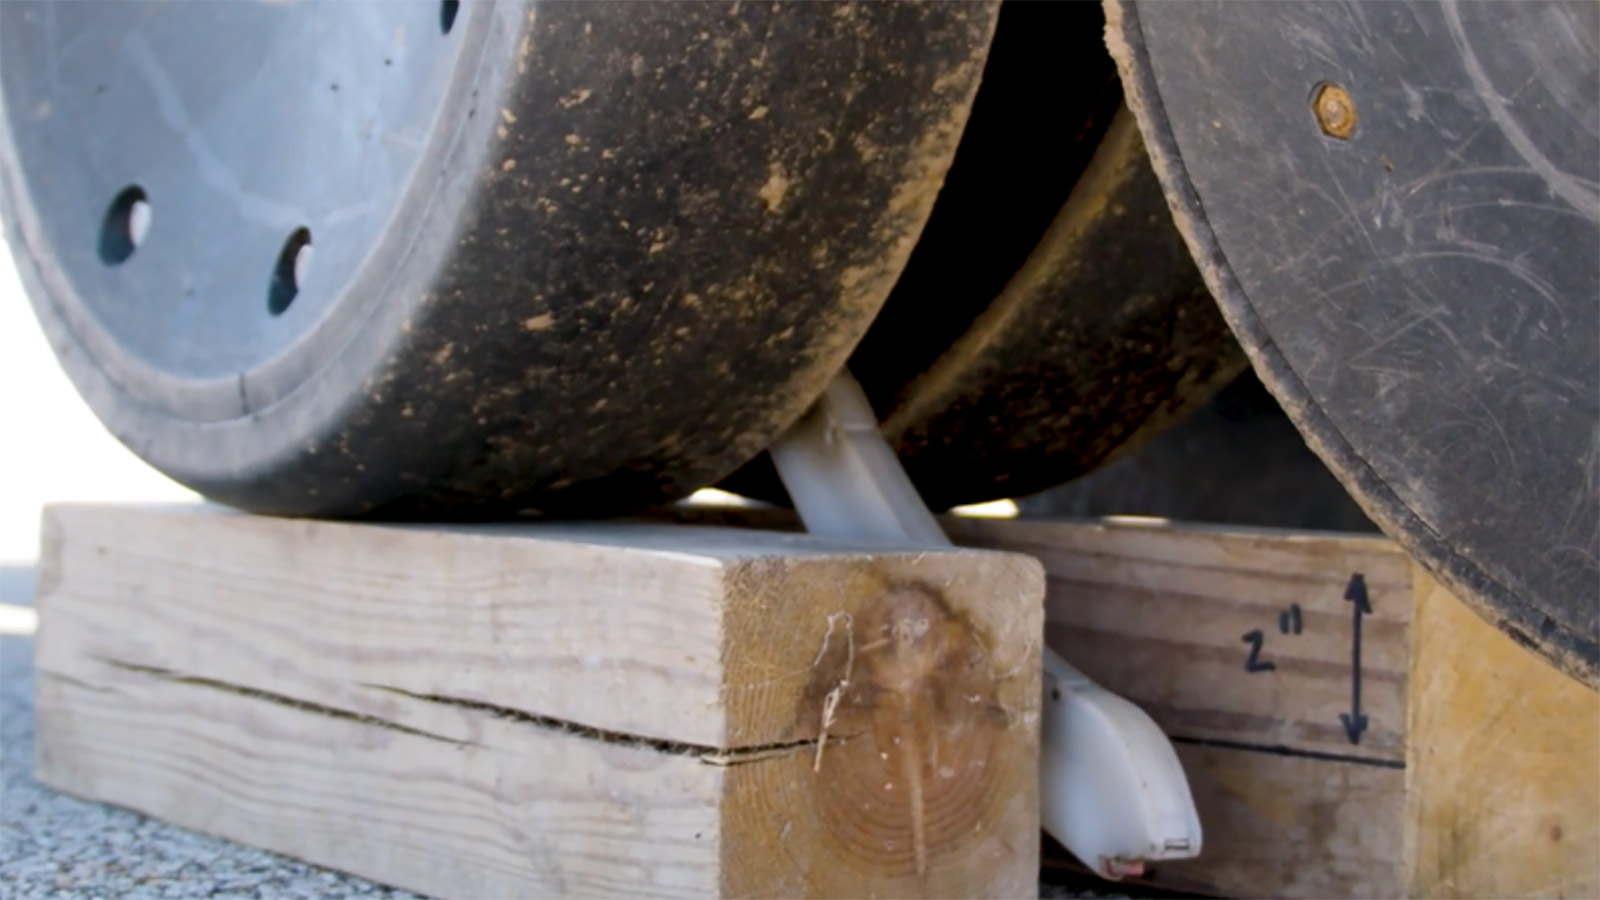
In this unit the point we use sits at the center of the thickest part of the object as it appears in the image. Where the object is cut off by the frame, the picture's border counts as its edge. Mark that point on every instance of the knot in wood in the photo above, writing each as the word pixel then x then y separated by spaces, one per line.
pixel 927 761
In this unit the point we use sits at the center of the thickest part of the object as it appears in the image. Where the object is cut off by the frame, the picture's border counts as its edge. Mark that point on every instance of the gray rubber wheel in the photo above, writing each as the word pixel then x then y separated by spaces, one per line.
pixel 441 259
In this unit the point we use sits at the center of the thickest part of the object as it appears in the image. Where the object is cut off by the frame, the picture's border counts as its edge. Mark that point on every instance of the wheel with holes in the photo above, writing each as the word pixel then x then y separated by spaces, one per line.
pixel 1051 316
pixel 467 259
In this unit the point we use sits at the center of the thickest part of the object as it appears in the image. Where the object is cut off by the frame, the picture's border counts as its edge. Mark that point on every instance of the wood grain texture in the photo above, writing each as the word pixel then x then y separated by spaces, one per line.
pixel 1503 787
pixel 1479 772
pixel 331 736
pixel 516 811
pixel 1160 614
pixel 578 711
pixel 1291 826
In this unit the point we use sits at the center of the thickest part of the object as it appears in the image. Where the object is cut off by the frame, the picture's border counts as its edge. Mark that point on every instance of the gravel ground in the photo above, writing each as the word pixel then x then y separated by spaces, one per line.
pixel 55 846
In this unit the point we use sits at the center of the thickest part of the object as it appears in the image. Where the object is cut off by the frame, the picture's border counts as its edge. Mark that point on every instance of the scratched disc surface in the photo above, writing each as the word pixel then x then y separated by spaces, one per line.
pixel 1410 261
pixel 468 259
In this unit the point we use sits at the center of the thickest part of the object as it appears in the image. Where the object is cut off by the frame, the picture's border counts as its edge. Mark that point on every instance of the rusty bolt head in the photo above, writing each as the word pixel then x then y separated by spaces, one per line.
pixel 1336 112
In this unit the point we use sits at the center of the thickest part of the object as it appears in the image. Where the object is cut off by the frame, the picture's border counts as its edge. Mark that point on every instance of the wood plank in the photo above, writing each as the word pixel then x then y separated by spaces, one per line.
pixel 1163 614
pixel 537 710
pixel 1199 627
pixel 1503 788
pixel 511 812
pixel 1160 613
pixel 1478 775
pixel 1291 826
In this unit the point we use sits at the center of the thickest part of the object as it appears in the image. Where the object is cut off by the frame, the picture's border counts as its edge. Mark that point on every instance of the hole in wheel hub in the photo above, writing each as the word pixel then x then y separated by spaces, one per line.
pixel 294 264
pixel 126 223
pixel 252 123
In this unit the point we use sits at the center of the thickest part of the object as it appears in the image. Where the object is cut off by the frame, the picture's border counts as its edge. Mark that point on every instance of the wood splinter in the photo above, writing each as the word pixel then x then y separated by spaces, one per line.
pixel 831 703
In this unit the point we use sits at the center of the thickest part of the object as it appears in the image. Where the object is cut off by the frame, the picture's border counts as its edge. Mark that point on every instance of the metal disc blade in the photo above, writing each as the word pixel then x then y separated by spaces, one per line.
pixel 1397 206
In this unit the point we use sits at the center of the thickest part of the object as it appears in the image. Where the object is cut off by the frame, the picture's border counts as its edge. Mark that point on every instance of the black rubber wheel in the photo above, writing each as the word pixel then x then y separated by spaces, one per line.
pixel 1050 317
pixel 1104 338
pixel 1397 206
pixel 440 259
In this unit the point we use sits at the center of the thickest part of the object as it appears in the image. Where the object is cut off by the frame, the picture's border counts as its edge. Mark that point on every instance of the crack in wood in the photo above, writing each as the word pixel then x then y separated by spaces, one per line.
pixel 280 699
pixel 78 683
pixel 1284 750
pixel 714 756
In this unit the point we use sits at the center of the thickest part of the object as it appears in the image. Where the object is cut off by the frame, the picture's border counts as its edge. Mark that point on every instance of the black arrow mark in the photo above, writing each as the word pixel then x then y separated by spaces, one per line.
pixel 1356 592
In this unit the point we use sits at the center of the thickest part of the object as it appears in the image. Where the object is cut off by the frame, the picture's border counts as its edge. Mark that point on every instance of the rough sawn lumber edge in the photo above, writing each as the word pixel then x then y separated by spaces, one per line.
pixel 373 699
pixel 1503 765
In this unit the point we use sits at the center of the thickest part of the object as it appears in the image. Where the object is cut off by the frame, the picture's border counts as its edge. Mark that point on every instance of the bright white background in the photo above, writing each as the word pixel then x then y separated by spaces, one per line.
pixel 52 447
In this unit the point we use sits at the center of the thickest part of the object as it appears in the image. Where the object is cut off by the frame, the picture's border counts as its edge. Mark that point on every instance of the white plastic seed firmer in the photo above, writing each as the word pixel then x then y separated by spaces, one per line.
pixel 1111 788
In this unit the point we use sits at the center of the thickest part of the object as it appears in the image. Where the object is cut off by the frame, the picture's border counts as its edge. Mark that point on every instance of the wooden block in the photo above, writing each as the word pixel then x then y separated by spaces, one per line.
pixel 1477 773
pixel 1239 645
pixel 622 710
pixel 1503 787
